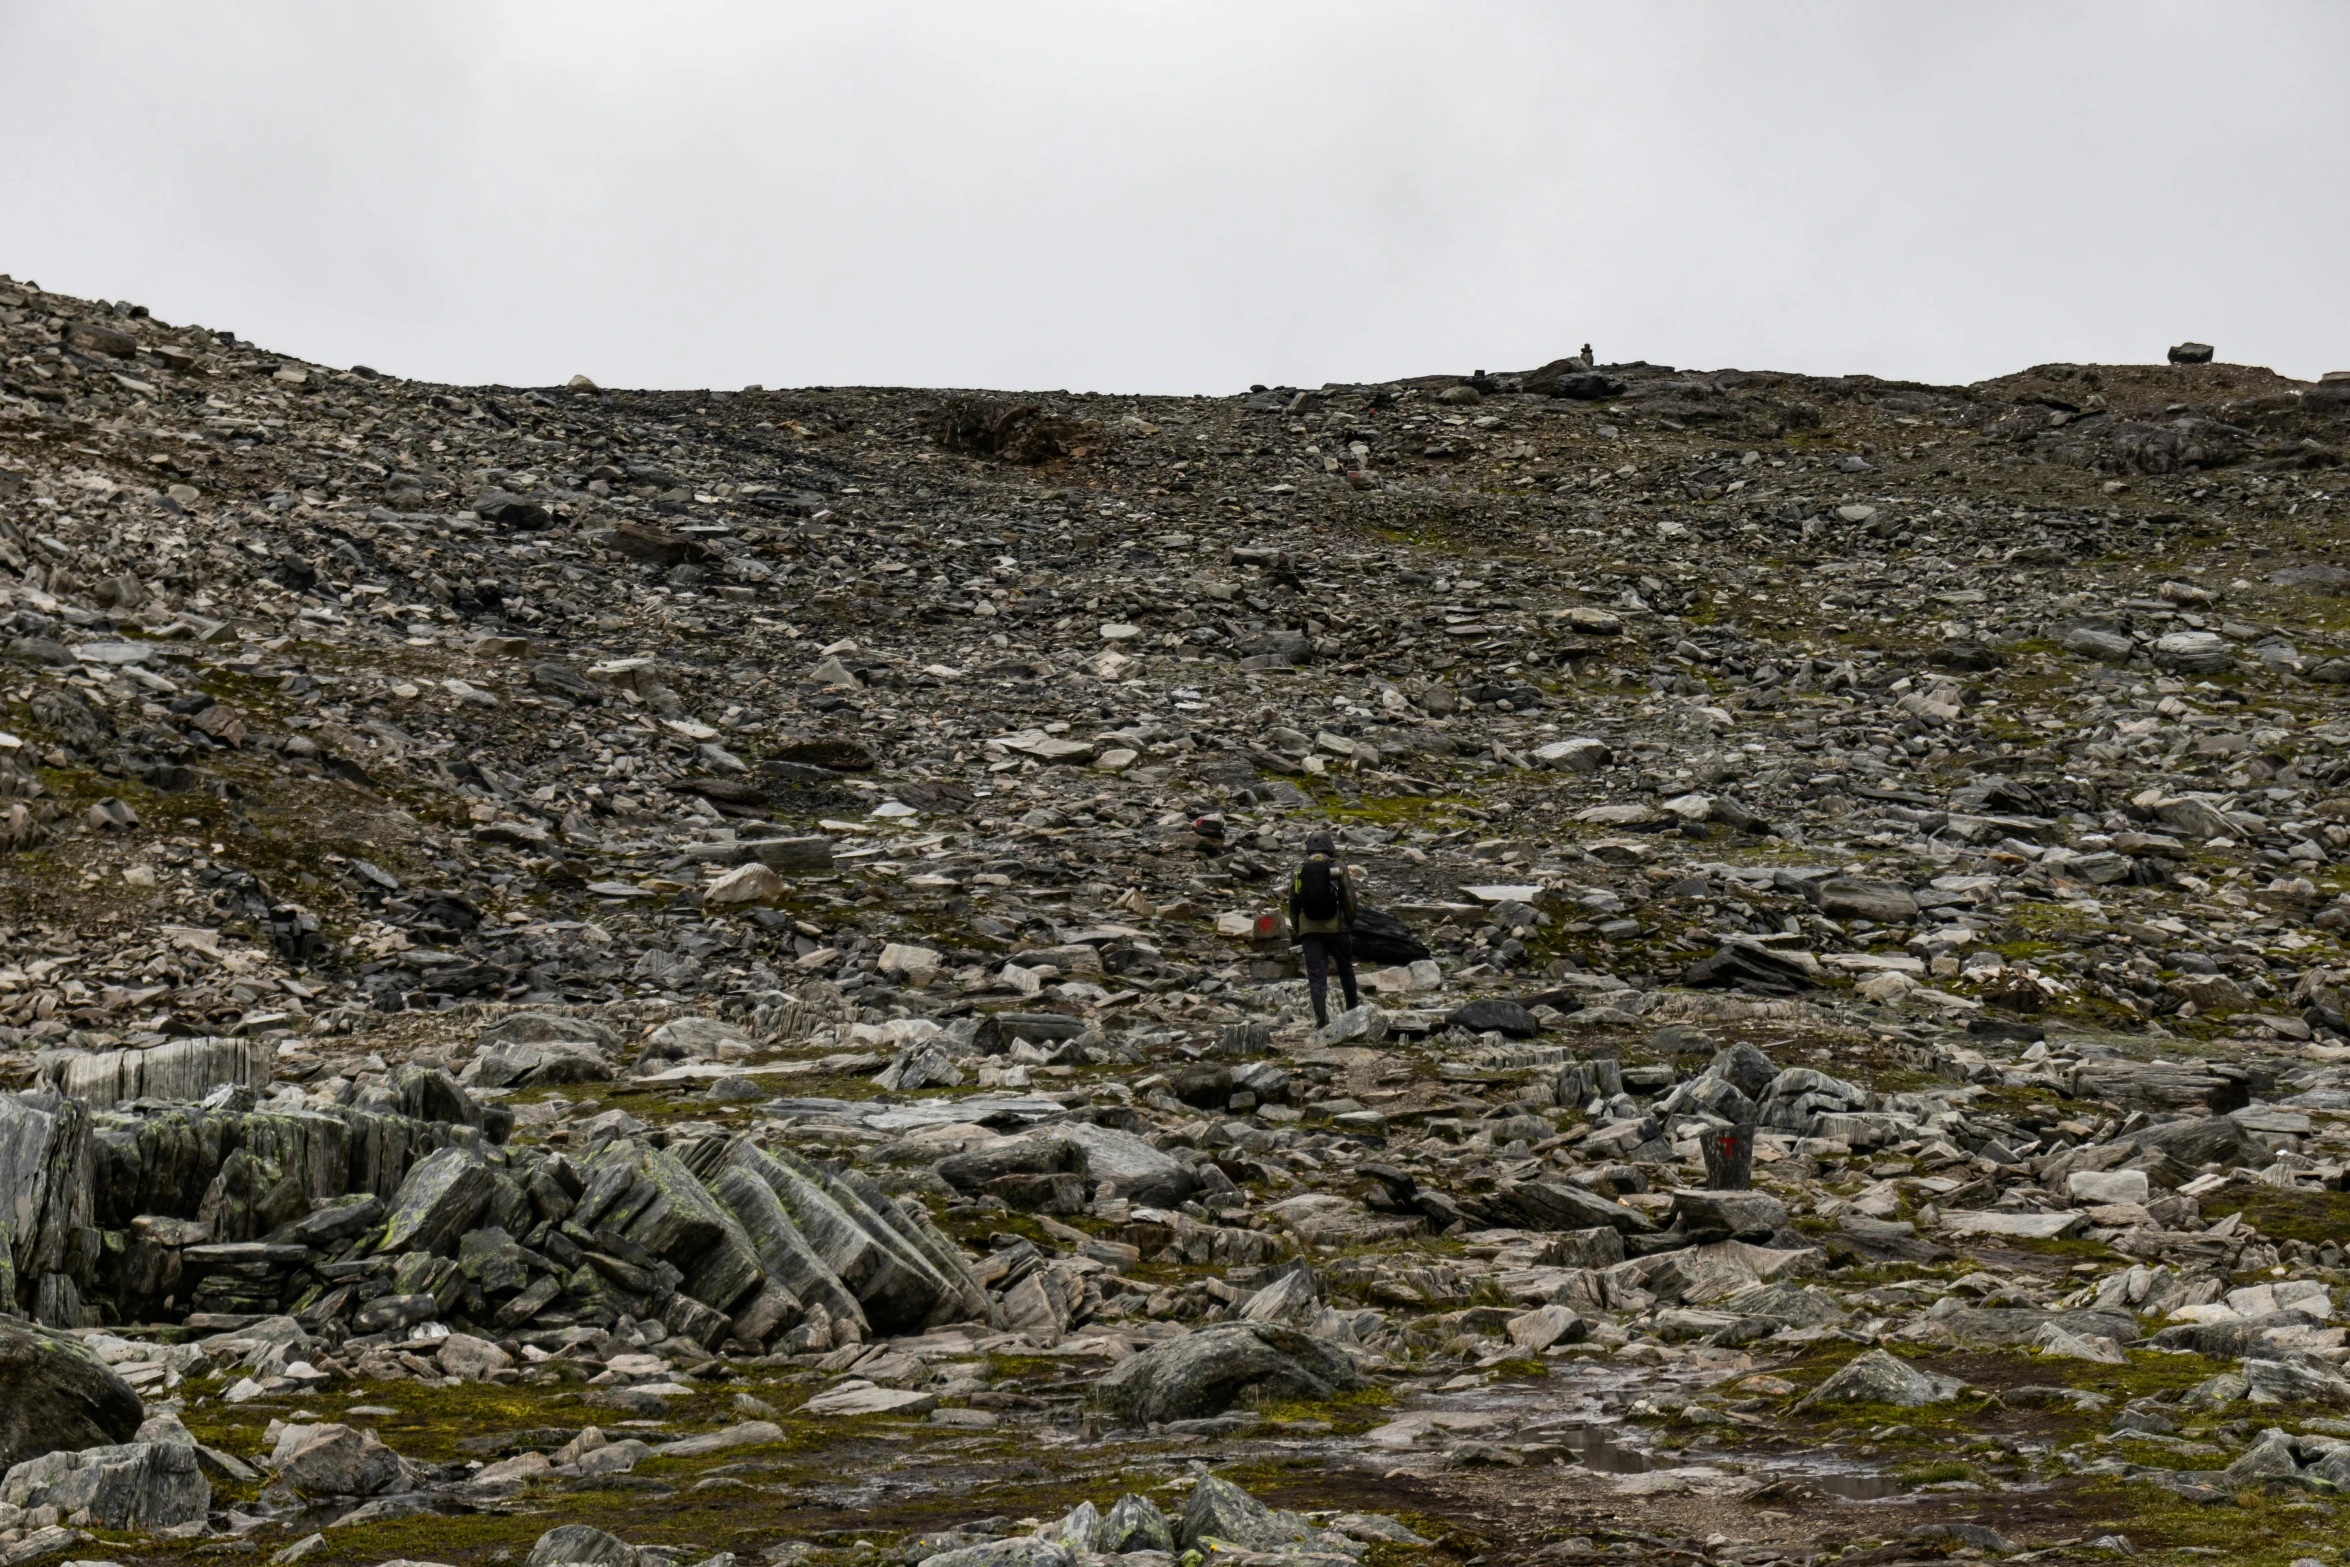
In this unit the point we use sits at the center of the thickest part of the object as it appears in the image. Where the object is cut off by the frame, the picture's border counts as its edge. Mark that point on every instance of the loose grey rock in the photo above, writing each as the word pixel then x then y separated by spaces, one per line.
pixel 55 1395
pixel 335 1460
pixel 140 1485
pixel 1875 1377
pixel 1204 1372
pixel 580 1545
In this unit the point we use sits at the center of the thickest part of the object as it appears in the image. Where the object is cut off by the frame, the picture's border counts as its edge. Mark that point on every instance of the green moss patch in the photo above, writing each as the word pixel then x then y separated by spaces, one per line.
pixel 2315 1217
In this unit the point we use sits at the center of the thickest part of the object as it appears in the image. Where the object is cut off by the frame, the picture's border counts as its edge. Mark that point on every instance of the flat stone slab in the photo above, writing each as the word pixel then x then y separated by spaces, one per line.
pixel 863 1398
pixel 1873 962
pixel 115 653
pixel 2023 1226
pixel 1403 1431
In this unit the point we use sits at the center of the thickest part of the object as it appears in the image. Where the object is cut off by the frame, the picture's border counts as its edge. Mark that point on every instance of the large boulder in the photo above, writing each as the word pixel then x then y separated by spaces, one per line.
pixel 1799 1093
pixel 581 1545
pixel 2211 1139
pixel 1745 1068
pixel 1050 1152
pixel 1878 1378
pixel 1132 1168
pixel 1844 898
pixel 1135 1524
pixel 427 1093
pixel 1203 1373
pixel 2286 1381
pixel 2241 1337
pixel 1021 1552
pixel 335 1460
pixel 1714 1216
pixel 1219 1510
pixel 140 1485
pixel 1495 1016
pixel 1560 1205
pixel 525 1063
pixel 694 1039
pixel 473 1359
pixel 56 1395
pixel 1380 937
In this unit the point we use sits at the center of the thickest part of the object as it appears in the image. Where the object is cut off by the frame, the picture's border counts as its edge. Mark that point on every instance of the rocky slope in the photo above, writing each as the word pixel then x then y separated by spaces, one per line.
pixel 696 963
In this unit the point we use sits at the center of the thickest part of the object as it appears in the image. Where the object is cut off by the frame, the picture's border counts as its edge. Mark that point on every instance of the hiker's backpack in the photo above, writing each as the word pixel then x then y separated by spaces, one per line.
pixel 1317 893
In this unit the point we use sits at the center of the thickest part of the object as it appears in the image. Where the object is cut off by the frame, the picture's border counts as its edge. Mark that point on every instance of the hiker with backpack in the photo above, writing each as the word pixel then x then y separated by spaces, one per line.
pixel 1322 912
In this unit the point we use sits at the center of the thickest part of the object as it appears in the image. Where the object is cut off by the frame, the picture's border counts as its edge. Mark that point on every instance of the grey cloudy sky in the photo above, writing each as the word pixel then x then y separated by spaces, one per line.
pixel 1129 195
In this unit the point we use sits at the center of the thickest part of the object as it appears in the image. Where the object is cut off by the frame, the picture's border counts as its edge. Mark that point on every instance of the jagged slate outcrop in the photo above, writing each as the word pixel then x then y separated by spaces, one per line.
pixel 941 1295
pixel 776 1240
pixel 966 1299
pixel 893 1289
pixel 163 1159
pixel 139 1485
pixel 57 1395
pixel 438 1202
pixel 1204 1372
pixel 183 1069
pixel 45 1203
pixel 649 1196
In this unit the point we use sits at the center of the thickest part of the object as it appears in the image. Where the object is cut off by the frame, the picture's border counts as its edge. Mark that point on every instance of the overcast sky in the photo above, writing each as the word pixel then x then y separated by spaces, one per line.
pixel 1127 196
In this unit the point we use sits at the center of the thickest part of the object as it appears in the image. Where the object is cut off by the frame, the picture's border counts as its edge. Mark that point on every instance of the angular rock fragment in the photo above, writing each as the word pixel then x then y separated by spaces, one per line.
pixel 1204 1372
pixel 141 1485
pixel 1876 1377
pixel 55 1395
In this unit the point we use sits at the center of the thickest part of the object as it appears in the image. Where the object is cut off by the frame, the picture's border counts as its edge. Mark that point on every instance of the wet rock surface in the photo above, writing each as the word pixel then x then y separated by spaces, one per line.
pixel 624 977
pixel 55 1394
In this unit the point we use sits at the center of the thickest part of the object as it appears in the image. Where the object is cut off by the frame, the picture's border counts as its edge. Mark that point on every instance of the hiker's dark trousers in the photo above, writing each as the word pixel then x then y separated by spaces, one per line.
pixel 1322 954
